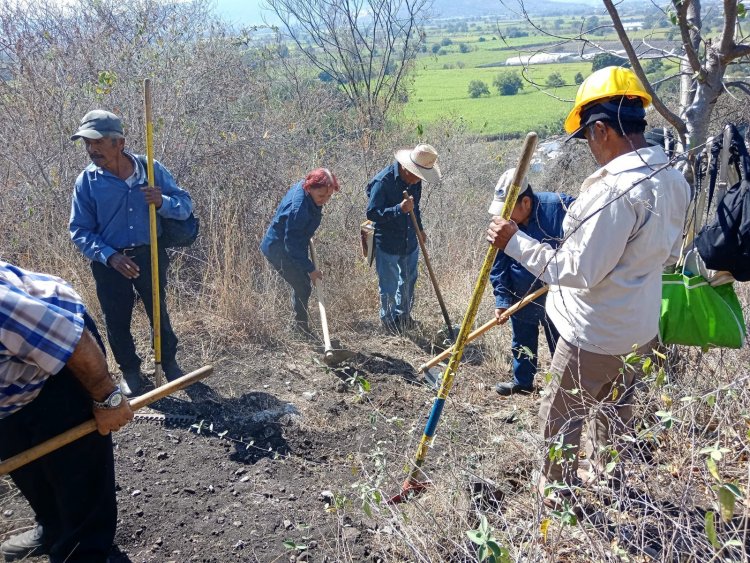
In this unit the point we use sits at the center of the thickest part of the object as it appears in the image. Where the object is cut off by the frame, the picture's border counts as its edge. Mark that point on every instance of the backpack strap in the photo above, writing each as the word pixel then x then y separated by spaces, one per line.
pixel 713 170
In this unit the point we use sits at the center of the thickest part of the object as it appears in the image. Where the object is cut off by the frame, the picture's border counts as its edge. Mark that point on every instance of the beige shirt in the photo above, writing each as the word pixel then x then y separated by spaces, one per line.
pixel 623 229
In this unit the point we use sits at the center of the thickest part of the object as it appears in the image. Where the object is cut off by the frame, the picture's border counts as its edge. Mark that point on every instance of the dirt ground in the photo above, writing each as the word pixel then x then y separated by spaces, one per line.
pixel 258 463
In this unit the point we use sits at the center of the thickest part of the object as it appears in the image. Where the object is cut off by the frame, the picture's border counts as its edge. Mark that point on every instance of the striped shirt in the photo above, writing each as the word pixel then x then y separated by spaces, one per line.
pixel 41 322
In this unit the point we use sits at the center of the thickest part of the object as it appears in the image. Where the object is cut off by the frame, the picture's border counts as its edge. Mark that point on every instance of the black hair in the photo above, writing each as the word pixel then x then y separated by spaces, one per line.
pixel 528 192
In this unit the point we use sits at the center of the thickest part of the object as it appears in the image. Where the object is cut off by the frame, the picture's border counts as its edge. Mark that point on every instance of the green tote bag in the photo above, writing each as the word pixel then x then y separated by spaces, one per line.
pixel 693 313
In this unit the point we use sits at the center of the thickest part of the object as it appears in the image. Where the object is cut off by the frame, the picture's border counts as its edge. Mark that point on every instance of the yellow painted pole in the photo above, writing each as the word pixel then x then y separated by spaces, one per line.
pixel 416 480
pixel 158 380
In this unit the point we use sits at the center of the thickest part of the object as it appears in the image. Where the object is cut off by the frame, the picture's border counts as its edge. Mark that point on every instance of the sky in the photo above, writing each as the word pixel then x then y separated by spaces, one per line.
pixel 243 12
pixel 250 12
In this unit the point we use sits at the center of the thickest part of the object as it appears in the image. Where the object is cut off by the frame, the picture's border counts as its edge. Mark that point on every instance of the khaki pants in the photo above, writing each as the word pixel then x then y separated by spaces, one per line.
pixel 586 385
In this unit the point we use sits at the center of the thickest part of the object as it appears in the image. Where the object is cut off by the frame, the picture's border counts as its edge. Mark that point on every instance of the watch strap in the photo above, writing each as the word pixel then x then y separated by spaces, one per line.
pixel 106 403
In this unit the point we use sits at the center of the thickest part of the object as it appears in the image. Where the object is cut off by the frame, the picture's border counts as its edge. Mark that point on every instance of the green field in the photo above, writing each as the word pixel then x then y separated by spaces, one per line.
pixel 441 93
pixel 441 80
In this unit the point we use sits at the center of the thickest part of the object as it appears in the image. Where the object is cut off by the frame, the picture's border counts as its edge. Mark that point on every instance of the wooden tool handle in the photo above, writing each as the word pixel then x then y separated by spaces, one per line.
pixel 321 301
pixel 27 456
pixel 486 326
pixel 430 272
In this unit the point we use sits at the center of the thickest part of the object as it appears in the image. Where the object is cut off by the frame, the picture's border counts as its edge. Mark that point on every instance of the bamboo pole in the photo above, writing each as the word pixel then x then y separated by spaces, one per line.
pixel 155 293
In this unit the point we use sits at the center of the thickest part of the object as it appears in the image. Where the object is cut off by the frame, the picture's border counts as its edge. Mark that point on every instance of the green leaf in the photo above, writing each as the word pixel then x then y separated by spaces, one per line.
pixel 497 551
pixel 659 355
pixel 420 130
pixel 712 469
pixel 661 378
pixel 289 544
pixel 484 526
pixel 710 527
pixel 726 503
pixel 734 489
pixel 632 359
pixel 476 536
pixel 741 12
pixel 483 552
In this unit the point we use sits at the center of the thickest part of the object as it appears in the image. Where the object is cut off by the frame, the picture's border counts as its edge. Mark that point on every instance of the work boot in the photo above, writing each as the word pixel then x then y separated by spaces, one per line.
pixel 507 388
pixel 132 382
pixel 172 371
pixel 28 544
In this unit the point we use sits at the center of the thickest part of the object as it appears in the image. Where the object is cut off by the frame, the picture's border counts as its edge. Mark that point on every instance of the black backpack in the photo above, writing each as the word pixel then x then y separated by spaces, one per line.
pixel 724 243
pixel 176 232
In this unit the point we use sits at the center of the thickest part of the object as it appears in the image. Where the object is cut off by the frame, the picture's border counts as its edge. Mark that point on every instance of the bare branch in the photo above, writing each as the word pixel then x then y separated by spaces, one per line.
pixel 727 32
pixel 671 117
pixel 683 23
pixel 744 86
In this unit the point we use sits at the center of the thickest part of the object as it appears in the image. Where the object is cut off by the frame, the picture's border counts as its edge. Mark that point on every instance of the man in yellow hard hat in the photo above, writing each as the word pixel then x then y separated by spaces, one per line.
pixel 605 278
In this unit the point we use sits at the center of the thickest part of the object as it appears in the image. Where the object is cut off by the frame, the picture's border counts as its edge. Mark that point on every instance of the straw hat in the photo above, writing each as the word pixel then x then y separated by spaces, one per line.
pixel 420 161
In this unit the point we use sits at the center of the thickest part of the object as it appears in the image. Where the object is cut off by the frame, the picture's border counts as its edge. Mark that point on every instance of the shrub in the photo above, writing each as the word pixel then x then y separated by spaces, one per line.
pixel 508 83
pixel 477 88
pixel 445 42
pixel 578 79
pixel 602 60
pixel 464 48
pixel 436 48
pixel 554 80
pixel 653 65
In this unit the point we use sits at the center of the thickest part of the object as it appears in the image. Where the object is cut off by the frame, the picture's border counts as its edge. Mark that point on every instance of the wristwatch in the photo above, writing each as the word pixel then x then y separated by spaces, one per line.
pixel 112 402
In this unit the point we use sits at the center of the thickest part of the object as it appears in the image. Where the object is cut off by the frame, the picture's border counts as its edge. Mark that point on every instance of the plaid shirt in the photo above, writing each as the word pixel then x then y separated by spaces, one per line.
pixel 41 321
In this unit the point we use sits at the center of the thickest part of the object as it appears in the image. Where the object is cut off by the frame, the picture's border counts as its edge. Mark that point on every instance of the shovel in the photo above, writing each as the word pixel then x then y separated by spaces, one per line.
pixel 331 356
pixel 433 278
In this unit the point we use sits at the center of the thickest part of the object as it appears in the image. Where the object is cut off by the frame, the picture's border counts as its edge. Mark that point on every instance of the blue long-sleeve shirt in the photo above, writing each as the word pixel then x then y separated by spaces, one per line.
pixel 294 224
pixel 108 213
pixel 394 231
pixel 510 280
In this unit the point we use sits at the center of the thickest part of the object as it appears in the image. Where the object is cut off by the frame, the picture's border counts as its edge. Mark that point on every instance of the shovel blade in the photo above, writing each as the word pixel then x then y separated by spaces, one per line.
pixel 335 357
pixel 434 376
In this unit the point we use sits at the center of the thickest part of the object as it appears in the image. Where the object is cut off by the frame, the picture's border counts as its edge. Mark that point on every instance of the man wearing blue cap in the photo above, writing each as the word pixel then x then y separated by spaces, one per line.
pixel 109 223
pixel 605 278
pixel 540 215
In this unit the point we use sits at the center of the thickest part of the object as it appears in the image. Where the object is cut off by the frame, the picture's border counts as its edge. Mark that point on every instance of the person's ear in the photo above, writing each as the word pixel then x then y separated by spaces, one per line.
pixel 601 130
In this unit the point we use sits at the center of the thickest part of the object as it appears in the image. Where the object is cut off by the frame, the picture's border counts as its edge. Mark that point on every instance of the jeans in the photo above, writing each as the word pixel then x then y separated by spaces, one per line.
pixel 71 490
pixel 299 281
pixel 397 276
pixel 116 295
pixel 526 334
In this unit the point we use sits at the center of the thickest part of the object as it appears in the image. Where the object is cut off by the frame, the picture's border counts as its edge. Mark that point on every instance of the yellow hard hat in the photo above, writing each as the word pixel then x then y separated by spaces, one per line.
pixel 605 83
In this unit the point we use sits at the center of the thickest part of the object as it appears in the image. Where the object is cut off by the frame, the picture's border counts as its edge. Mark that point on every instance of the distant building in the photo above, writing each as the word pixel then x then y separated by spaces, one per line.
pixel 632 26
pixel 540 59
